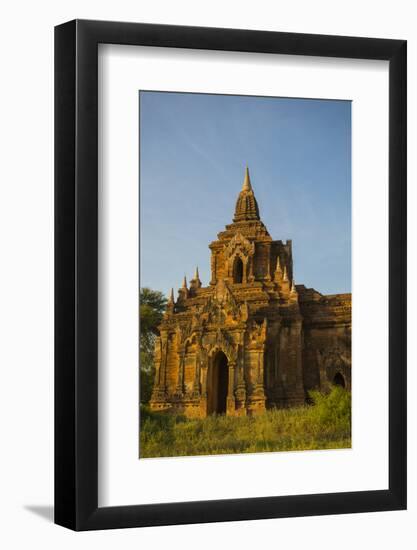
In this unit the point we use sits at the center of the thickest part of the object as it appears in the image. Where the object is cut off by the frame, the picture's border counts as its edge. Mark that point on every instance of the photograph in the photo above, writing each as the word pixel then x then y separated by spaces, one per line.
pixel 252 353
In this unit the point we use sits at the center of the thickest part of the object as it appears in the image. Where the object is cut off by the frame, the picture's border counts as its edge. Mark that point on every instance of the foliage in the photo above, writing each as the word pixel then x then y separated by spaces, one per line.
pixel 333 408
pixel 152 304
pixel 324 425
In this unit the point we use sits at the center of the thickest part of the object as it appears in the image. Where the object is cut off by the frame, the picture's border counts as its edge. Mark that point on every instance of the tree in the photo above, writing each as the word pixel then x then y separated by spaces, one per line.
pixel 152 304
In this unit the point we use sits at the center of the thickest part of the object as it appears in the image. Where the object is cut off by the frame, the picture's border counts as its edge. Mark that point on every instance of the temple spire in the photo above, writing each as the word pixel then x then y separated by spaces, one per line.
pixel 247 186
pixel 171 302
pixel 171 298
pixel 293 292
pixel 278 270
pixel 195 281
pixel 246 205
pixel 183 291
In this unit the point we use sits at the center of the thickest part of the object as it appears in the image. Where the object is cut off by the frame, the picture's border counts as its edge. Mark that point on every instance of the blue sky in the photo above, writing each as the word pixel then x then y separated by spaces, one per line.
pixel 193 152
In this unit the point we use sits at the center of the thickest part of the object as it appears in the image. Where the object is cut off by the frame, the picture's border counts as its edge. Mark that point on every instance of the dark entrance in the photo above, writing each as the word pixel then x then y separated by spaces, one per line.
pixel 237 270
pixel 338 380
pixel 217 384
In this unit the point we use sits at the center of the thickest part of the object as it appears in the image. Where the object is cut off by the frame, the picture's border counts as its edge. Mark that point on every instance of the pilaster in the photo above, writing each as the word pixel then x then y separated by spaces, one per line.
pixel 230 401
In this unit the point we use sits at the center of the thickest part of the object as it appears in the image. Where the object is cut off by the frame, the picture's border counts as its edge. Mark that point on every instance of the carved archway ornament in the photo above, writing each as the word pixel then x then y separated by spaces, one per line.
pixel 334 358
pixel 222 305
pixel 331 363
pixel 240 247
pixel 222 343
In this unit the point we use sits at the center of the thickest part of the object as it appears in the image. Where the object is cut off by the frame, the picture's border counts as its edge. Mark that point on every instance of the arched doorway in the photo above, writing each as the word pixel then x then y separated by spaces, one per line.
pixel 237 270
pixel 217 384
pixel 338 380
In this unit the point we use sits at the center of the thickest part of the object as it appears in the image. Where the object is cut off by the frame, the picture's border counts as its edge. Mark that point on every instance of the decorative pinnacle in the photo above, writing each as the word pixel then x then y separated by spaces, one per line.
pixel 184 283
pixel 293 289
pixel 171 298
pixel 285 276
pixel 278 268
pixel 196 275
pixel 246 182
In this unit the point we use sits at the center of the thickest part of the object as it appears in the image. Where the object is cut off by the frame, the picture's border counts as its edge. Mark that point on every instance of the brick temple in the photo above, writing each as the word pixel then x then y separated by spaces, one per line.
pixel 252 339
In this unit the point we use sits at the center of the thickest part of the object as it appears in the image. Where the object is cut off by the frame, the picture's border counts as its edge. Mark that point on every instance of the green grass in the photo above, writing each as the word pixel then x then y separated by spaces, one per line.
pixel 324 425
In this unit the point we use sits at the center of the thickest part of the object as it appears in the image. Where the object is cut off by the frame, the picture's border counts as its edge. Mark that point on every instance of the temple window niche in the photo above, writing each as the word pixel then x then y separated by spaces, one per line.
pixel 237 270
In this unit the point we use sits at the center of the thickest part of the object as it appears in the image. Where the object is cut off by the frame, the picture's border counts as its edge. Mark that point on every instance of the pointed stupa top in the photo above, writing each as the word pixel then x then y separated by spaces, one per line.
pixel 247 186
pixel 246 206
pixel 278 270
pixel 278 267
pixel 171 298
pixel 195 281
pixel 184 282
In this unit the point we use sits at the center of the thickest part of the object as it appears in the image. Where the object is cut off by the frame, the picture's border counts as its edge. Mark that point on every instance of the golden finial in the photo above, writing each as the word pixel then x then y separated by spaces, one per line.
pixel 246 182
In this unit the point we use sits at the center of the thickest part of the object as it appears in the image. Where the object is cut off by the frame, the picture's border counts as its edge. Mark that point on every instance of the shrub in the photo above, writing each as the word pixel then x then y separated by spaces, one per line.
pixel 333 408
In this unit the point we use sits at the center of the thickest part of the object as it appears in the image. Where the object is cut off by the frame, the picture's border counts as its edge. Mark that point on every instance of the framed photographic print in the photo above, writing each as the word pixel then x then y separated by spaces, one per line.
pixel 230 275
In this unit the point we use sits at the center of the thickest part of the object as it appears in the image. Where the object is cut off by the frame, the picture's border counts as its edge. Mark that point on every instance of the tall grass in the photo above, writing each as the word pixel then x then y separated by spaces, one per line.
pixel 326 424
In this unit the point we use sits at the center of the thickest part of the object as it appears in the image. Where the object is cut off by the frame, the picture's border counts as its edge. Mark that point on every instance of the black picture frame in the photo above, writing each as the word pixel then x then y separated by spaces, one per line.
pixel 76 272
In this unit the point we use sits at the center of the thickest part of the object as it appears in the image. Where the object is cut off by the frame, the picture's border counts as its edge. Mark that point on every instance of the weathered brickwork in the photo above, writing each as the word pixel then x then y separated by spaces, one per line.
pixel 253 338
